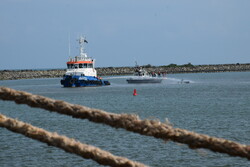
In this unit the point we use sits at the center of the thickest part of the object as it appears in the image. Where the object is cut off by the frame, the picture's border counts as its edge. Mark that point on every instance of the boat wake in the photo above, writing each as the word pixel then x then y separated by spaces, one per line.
pixel 118 77
pixel 166 80
pixel 178 80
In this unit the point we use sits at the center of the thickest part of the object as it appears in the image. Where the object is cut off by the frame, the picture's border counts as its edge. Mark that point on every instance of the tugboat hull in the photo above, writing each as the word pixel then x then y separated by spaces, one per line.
pixel 76 81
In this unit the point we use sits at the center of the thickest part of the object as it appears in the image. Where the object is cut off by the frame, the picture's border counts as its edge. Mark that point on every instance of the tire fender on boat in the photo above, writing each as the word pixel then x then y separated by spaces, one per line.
pixel 72 81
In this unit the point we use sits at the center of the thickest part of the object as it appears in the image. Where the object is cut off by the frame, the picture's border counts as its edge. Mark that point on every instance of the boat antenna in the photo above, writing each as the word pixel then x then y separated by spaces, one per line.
pixel 69 43
pixel 136 64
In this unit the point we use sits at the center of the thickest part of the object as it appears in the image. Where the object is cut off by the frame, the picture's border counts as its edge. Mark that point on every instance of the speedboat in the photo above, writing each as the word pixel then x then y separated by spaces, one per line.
pixel 142 76
pixel 80 70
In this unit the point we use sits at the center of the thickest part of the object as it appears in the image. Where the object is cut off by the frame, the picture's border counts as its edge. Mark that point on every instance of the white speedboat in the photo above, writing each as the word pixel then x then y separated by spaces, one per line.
pixel 142 76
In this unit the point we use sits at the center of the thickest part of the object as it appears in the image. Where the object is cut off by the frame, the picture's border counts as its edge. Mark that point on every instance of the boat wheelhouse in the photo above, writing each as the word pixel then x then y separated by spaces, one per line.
pixel 81 71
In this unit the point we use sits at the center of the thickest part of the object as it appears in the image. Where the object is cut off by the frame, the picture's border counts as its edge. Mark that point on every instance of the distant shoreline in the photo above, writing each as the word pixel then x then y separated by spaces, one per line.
pixel 112 71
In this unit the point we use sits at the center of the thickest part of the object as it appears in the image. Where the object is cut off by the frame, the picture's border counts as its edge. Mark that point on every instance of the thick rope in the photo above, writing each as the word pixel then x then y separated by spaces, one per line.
pixel 67 144
pixel 129 122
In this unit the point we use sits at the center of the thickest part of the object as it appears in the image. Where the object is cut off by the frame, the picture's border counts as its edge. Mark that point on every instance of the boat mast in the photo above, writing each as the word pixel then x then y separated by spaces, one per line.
pixel 82 40
pixel 69 44
pixel 136 63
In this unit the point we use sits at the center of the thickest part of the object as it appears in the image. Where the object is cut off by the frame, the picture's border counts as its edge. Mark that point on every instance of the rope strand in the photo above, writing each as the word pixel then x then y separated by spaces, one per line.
pixel 129 122
pixel 67 144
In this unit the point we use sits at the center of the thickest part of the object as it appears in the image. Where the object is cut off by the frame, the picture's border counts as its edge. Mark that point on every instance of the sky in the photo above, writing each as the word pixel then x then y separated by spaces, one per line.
pixel 36 34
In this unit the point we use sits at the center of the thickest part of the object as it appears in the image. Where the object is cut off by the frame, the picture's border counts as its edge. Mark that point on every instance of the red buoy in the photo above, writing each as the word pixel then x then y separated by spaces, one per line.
pixel 134 92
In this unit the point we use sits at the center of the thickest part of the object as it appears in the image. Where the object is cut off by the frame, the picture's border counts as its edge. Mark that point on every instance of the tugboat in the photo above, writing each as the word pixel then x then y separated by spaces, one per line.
pixel 80 70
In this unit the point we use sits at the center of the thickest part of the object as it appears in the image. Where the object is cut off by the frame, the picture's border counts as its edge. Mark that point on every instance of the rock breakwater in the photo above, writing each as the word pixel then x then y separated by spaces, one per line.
pixel 29 74
pixel 177 69
pixel 109 71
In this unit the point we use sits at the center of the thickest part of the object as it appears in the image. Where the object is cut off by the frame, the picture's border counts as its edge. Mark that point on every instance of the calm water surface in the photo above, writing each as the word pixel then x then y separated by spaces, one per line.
pixel 216 104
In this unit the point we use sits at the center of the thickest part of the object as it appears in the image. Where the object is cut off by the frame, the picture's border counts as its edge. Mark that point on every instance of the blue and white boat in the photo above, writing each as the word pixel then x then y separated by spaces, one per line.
pixel 81 71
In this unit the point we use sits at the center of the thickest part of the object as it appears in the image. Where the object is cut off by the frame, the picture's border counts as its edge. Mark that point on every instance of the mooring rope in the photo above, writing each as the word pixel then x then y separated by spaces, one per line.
pixel 67 144
pixel 129 122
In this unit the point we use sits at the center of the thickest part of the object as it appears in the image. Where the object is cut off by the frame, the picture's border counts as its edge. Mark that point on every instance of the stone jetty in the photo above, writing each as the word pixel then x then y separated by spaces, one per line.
pixel 110 71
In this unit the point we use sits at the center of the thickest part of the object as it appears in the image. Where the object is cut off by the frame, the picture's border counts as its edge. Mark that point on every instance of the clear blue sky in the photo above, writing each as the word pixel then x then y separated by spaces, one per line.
pixel 34 33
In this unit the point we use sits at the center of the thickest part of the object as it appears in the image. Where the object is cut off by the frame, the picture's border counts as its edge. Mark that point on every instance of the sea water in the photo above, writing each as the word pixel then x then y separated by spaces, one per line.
pixel 216 104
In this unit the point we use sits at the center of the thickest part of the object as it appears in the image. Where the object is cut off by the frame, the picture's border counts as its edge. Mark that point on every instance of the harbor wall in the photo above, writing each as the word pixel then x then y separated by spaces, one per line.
pixel 110 71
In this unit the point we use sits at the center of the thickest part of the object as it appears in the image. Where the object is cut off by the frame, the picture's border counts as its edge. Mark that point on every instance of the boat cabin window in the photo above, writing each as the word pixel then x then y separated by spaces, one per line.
pixel 76 65
pixel 70 66
pixel 90 65
pixel 85 65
